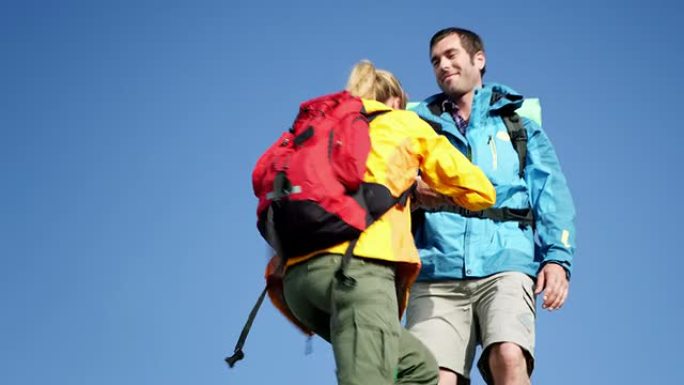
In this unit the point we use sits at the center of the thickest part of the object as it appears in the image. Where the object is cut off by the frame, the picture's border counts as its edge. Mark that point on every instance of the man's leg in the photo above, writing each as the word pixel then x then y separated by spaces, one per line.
pixel 440 314
pixel 506 312
pixel 508 364
pixel 447 377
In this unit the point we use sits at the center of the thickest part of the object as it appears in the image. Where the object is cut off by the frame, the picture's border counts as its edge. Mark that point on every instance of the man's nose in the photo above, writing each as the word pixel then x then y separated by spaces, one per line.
pixel 443 64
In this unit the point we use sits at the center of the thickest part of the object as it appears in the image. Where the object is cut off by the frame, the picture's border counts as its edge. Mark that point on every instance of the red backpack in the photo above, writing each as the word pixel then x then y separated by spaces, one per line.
pixel 310 181
pixel 311 190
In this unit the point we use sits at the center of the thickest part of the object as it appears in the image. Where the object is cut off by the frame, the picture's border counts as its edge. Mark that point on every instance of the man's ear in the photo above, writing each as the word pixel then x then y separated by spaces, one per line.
pixel 479 60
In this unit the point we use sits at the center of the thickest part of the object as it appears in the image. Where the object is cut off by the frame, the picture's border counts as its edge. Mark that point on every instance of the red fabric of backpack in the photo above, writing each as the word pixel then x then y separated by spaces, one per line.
pixel 310 181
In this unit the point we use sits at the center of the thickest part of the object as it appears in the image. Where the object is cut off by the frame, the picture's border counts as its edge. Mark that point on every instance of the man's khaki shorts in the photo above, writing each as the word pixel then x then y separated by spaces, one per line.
pixel 453 317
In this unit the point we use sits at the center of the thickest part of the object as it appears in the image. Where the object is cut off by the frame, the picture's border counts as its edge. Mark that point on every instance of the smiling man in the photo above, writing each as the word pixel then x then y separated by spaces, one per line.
pixel 481 270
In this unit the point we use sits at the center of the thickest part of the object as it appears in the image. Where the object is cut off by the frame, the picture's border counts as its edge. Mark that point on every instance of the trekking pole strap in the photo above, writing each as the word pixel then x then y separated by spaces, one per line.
pixel 238 353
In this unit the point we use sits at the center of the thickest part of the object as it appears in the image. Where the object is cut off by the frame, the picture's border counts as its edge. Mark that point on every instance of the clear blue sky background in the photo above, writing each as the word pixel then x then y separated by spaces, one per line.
pixel 128 130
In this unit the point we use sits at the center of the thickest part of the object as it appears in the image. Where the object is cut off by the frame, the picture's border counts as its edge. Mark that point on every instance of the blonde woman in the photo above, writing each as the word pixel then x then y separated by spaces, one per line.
pixel 363 322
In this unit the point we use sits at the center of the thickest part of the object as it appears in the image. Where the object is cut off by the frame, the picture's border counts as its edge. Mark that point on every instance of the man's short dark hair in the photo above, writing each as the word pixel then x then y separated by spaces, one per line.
pixel 470 41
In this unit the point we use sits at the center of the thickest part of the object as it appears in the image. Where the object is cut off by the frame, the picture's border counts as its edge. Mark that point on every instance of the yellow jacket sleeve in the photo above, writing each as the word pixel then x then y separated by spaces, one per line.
pixel 448 171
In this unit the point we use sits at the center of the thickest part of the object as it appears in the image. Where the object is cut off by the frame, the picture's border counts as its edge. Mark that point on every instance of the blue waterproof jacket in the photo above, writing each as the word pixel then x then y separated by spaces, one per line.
pixel 455 247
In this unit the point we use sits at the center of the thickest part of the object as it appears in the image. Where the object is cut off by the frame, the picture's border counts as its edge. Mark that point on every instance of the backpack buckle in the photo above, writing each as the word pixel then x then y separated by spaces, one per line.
pixel 277 195
pixel 282 187
pixel 471 214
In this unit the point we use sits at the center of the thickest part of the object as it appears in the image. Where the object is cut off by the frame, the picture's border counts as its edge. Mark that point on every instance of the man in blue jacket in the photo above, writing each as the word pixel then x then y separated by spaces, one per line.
pixel 482 270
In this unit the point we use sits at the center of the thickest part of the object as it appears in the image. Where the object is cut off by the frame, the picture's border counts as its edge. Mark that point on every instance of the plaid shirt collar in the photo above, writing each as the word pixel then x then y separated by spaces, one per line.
pixel 452 108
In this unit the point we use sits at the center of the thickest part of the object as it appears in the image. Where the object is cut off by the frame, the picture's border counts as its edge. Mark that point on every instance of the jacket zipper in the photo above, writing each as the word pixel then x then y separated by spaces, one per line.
pixel 492 148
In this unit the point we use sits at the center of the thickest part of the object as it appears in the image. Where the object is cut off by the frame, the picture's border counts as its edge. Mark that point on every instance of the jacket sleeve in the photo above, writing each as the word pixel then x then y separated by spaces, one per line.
pixel 550 199
pixel 449 172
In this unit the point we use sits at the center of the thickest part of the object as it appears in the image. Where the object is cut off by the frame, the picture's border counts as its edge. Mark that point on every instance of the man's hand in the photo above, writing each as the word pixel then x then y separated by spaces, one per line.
pixel 427 198
pixel 553 281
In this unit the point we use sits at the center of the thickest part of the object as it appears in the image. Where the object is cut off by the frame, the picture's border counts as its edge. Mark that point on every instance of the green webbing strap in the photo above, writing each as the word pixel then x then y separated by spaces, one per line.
pixel 273 239
pixel 341 273
pixel 238 353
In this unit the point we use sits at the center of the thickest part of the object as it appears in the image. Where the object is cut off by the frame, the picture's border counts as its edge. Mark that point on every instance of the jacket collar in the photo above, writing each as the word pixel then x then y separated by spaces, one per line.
pixel 371 106
pixel 492 97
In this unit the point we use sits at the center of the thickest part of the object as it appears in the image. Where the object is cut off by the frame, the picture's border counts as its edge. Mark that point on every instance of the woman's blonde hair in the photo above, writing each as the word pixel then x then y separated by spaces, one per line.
pixel 365 81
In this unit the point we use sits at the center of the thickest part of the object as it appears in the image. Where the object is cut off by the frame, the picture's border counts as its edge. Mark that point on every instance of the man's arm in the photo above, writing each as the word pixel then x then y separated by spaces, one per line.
pixel 554 213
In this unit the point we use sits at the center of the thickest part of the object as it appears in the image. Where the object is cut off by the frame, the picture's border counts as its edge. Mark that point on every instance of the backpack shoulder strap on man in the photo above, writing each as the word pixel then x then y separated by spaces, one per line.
pixel 518 135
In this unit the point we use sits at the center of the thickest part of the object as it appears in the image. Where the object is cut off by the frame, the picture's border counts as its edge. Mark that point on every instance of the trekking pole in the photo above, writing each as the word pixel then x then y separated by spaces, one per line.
pixel 238 354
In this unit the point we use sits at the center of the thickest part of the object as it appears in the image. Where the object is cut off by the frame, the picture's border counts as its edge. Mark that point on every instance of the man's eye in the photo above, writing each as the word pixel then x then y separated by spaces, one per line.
pixel 452 54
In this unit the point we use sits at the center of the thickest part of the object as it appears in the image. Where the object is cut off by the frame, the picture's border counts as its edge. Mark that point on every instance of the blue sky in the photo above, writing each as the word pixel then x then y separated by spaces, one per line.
pixel 128 131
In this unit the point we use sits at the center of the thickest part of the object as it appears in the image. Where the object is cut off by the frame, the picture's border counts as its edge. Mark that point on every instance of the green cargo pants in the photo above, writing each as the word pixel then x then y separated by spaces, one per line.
pixel 361 323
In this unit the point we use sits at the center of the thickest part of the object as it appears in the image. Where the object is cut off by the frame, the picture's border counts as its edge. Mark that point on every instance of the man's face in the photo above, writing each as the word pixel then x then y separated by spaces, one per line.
pixel 455 71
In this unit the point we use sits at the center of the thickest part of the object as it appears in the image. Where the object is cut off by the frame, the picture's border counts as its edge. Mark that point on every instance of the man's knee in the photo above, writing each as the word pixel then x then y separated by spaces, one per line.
pixel 507 355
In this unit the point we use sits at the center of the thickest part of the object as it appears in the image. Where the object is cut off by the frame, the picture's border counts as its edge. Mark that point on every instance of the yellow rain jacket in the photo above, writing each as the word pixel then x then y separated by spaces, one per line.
pixel 401 145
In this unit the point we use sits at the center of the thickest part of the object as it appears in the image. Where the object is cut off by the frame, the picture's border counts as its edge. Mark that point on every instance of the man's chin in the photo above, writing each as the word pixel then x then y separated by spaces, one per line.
pixel 446 89
pixel 451 89
pixel 453 93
